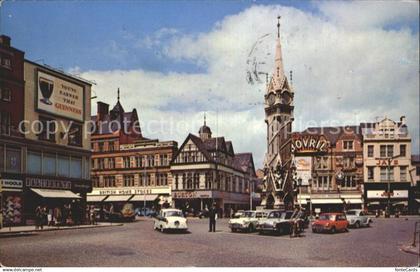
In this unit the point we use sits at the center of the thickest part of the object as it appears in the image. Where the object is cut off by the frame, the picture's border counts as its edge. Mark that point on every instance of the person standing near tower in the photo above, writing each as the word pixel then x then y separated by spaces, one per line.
pixel 212 218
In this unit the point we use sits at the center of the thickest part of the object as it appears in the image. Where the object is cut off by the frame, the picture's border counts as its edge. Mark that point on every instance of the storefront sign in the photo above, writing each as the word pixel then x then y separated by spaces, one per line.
pixel 11 184
pixel 60 97
pixel 47 183
pixel 304 169
pixel 184 194
pixel 384 194
pixel 309 143
pixel 130 191
pixel 384 162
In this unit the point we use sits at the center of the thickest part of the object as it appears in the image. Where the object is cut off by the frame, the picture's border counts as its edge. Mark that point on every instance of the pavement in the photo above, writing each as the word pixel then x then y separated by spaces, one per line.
pixel 138 245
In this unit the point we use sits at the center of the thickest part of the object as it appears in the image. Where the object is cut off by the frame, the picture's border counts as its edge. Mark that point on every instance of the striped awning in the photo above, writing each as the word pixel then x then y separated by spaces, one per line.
pixel 49 193
pixel 117 198
pixel 144 198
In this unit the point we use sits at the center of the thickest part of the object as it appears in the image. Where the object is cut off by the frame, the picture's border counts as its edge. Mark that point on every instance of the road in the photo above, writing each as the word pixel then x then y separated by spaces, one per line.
pixel 136 244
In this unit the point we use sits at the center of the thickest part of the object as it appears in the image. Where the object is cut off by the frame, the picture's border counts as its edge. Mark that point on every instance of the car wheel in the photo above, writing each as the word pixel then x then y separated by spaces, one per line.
pixel 280 231
pixel 357 225
pixel 332 230
pixel 251 228
pixel 233 230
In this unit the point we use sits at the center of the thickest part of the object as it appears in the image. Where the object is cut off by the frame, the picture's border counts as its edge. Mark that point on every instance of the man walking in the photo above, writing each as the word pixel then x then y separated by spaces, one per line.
pixel 212 218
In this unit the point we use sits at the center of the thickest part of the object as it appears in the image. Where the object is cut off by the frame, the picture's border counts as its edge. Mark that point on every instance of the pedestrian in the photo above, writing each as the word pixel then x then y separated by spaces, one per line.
pixel 212 218
pixel 38 217
pixel 92 215
pixel 50 217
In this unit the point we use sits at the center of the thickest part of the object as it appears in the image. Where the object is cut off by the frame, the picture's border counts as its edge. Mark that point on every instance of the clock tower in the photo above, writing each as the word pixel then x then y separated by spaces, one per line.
pixel 277 191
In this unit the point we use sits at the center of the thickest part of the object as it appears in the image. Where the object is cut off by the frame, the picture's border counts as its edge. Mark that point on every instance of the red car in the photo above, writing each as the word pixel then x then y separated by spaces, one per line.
pixel 330 222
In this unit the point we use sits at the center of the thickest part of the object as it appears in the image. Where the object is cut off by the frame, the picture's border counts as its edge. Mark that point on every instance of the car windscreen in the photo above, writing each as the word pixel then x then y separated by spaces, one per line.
pixel 274 215
pixel 173 213
pixel 351 213
pixel 326 217
pixel 248 214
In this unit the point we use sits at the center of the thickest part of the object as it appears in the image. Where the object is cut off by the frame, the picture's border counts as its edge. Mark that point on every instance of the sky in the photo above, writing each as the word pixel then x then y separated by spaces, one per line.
pixel 352 62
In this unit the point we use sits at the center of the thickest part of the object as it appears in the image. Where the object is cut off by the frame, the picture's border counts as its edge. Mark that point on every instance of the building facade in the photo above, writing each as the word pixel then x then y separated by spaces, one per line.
pixel 329 168
pixel 45 157
pixel 127 167
pixel 206 170
pixel 387 161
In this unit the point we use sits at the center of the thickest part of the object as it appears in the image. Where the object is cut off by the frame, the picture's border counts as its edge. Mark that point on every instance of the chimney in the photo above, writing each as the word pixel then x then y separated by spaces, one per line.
pixel 103 109
pixel 402 120
pixel 5 41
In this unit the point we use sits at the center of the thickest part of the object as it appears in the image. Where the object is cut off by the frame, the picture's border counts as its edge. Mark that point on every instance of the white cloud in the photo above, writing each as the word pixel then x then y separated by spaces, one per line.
pixel 342 74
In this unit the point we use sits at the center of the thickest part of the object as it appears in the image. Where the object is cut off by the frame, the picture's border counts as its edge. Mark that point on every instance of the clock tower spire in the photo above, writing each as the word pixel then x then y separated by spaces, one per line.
pixel 278 182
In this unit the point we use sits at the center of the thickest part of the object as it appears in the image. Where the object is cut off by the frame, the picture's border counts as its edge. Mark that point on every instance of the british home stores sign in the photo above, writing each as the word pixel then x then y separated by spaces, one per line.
pixel 60 97
pixel 131 191
pixel 309 144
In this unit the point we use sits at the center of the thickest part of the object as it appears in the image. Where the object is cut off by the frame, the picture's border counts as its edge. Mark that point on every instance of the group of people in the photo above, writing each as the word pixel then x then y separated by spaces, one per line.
pixel 68 214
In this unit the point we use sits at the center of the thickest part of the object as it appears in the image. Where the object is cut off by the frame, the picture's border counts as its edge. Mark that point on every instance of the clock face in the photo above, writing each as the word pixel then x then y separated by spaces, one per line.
pixel 271 99
pixel 286 98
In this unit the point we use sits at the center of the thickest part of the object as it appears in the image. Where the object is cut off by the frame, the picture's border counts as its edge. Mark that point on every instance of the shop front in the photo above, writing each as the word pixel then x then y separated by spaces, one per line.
pixel 59 196
pixel 332 202
pixel 12 200
pixel 153 197
pixel 376 196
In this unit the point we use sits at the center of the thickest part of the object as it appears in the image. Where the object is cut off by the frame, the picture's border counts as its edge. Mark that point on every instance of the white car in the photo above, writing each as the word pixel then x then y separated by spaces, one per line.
pixel 358 218
pixel 247 221
pixel 170 219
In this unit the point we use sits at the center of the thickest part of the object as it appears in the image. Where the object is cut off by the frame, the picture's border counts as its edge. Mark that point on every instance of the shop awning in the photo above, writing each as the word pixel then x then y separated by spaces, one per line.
pixel 144 197
pixel 117 198
pixel 95 198
pixel 49 193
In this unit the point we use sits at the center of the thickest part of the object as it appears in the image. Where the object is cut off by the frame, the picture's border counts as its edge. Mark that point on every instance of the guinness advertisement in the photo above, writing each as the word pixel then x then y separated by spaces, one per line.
pixel 60 97
pixel 309 144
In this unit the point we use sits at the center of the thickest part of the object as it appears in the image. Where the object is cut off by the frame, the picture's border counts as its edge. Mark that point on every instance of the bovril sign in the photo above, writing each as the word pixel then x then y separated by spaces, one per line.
pixel 309 143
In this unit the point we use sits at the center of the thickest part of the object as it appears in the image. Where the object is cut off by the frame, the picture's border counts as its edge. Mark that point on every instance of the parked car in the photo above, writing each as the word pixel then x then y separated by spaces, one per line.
pixel 203 214
pixel 247 221
pixel 330 222
pixel 358 218
pixel 276 222
pixel 170 219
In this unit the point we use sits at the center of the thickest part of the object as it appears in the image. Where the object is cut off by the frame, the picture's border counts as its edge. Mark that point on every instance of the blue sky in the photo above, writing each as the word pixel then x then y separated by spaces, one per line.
pixel 353 61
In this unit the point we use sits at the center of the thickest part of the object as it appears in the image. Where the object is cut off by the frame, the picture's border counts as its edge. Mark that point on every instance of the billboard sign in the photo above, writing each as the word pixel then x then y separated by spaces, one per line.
pixel 304 169
pixel 60 97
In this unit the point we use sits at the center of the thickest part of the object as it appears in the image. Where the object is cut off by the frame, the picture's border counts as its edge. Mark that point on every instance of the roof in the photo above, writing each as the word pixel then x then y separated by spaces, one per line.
pixel 204 129
pixel 242 161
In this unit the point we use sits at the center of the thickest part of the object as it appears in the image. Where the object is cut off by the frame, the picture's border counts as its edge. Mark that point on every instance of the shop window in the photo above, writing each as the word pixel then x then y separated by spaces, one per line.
pixel 49 164
pixel 370 151
pixel 4 123
pixel 403 173
pixel 13 160
pixel 370 173
pixel 76 168
pixel 5 94
pixel 403 150
pixel 63 166
pixel 75 135
pixel 33 163
pixel 46 129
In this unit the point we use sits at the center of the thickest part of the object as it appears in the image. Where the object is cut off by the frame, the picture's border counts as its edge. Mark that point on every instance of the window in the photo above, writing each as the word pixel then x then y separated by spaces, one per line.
pixel 128 180
pixel 76 168
pixel 75 135
pixel 189 181
pixel 63 166
pixel 33 163
pixel 126 161
pixel 5 94
pixel 403 173
pixel 386 151
pixel 150 161
pixel 139 161
pixel 348 162
pixel 403 150
pixel 101 163
pixel 6 63
pixel 387 175
pixel 209 179
pixel 95 181
pixel 176 182
pixel 349 181
pixel 13 160
pixel 370 151
pixel 111 163
pixel 5 123
pixel 111 146
pixel 196 181
pixel 100 146
pixel 46 129
pixel 324 183
pixel 348 145
pixel 370 173
pixel 163 159
pixel 49 164
pixel 109 181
